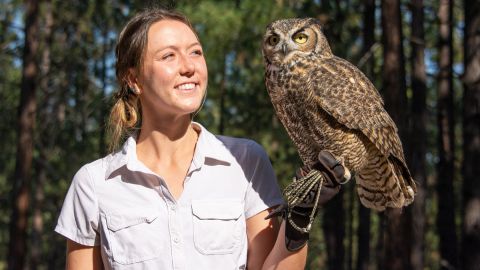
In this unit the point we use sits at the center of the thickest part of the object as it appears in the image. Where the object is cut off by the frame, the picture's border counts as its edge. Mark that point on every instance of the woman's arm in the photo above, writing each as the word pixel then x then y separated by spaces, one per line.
pixel 83 257
pixel 266 245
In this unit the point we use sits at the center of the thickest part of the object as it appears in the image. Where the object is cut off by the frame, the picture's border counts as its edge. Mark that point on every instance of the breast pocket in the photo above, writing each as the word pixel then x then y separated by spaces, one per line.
pixel 218 226
pixel 134 235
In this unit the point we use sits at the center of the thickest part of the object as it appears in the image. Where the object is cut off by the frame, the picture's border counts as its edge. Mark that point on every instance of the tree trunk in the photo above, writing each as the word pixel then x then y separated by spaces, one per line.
pixel 445 169
pixel 417 139
pixel 37 237
pixel 39 196
pixel 394 64
pixel 380 247
pixel 397 237
pixel 350 224
pixel 363 232
pixel 334 231
pixel 471 137
pixel 26 123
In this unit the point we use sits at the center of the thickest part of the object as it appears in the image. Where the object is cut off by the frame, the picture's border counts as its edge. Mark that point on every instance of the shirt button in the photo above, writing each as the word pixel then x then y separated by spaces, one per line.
pixel 173 207
pixel 176 239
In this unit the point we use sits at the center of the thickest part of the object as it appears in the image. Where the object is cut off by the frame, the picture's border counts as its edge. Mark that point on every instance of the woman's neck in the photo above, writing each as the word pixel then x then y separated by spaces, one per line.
pixel 167 141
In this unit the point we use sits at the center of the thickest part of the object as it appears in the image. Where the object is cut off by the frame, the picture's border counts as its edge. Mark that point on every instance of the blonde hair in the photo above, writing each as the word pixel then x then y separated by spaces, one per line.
pixel 126 111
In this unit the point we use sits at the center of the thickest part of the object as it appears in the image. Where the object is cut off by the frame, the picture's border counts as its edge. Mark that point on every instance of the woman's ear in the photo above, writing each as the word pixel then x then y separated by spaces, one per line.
pixel 133 83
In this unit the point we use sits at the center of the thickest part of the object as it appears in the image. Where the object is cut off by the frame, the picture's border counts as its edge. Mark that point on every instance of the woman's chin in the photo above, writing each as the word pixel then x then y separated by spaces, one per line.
pixel 191 105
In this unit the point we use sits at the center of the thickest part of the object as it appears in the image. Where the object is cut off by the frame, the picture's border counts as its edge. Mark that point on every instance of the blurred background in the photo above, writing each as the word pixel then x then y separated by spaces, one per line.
pixel 57 77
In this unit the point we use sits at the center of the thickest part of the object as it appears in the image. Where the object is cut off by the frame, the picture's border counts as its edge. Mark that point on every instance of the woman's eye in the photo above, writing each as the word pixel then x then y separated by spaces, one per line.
pixel 300 38
pixel 198 52
pixel 167 56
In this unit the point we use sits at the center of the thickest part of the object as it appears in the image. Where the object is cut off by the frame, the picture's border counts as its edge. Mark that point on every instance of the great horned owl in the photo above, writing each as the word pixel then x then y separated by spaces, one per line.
pixel 326 103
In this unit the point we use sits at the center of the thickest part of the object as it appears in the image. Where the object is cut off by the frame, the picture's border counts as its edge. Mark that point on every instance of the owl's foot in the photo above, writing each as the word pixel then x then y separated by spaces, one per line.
pixel 335 167
pixel 311 188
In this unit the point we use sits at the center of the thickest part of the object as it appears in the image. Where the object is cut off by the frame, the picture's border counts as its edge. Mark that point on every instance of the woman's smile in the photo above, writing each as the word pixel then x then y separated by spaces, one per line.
pixel 187 87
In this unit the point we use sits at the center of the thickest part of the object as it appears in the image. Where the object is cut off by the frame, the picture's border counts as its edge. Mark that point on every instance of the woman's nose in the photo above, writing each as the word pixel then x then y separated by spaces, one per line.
pixel 187 66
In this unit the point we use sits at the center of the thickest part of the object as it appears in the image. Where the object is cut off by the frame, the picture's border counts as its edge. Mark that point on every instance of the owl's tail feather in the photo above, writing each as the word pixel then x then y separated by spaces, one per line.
pixel 384 183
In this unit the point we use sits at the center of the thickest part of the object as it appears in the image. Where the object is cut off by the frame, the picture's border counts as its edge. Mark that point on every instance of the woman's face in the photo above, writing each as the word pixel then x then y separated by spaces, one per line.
pixel 174 75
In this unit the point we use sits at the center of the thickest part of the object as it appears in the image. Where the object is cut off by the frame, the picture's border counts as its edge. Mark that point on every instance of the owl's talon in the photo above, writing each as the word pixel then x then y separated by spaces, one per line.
pixel 335 167
pixel 346 176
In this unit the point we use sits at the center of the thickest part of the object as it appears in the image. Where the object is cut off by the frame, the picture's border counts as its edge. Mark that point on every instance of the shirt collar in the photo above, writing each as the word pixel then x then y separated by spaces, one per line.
pixel 208 146
pixel 126 156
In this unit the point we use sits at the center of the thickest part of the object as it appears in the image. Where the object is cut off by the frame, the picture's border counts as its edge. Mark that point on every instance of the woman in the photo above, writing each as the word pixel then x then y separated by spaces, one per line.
pixel 174 196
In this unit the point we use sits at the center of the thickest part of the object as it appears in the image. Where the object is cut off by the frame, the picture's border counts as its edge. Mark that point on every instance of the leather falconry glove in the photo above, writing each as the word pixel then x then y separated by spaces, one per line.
pixel 327 175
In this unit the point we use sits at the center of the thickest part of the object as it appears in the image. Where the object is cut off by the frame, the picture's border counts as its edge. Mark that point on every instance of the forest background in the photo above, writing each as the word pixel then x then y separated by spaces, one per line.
pixel 57 76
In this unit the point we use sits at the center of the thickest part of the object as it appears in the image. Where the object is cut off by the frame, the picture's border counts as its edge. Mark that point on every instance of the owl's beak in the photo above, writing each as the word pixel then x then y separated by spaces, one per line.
pixel 284 49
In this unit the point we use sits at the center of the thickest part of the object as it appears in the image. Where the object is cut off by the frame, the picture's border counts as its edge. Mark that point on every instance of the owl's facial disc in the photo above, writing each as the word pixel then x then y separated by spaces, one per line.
pixel 285 47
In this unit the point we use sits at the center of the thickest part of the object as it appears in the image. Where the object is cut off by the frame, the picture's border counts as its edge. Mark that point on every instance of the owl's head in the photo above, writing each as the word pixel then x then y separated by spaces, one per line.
pixel 287 40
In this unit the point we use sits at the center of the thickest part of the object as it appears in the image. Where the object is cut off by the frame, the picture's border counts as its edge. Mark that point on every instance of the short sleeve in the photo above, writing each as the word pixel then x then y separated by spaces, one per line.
pixel 263 190
pixel 78 220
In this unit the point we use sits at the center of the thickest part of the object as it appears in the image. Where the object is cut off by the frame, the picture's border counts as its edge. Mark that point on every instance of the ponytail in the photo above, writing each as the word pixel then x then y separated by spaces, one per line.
pixel 124 117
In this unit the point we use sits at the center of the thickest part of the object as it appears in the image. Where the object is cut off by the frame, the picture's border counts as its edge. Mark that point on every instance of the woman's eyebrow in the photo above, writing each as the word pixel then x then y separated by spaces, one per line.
pixel 175 47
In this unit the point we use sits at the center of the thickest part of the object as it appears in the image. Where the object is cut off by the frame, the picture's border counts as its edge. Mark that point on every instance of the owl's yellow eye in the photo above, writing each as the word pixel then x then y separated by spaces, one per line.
pixel 300 38
pixel 273 40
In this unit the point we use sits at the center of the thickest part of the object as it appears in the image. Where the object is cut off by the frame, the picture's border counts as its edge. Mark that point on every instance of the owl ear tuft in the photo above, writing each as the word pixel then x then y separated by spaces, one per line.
pixel 315 21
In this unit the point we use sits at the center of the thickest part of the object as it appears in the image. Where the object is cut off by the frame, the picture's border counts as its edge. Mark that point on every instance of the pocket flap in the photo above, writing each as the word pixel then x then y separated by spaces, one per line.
pixel 116 221
pixel 217 209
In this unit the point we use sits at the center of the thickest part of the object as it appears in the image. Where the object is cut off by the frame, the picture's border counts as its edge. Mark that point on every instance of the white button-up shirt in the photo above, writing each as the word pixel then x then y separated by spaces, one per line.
pixel 120 204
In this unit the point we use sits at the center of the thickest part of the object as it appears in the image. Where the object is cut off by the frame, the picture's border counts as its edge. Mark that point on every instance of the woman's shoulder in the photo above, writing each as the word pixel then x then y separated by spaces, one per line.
pixel 99 163
pixel 238 142
pixel 243 148
pixel 97 168
pixel 239 148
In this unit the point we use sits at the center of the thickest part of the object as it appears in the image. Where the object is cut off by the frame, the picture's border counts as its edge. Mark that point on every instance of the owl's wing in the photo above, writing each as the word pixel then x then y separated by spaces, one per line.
pixel 344 92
